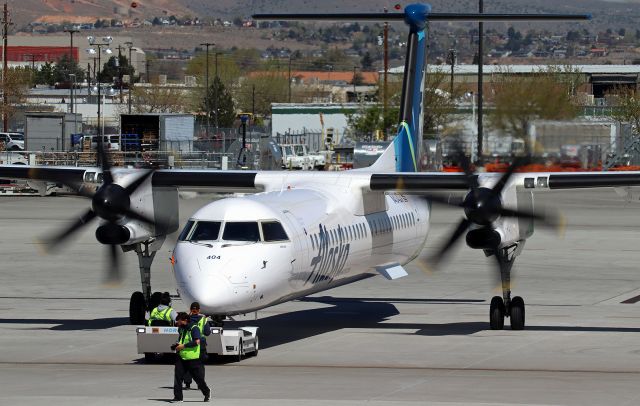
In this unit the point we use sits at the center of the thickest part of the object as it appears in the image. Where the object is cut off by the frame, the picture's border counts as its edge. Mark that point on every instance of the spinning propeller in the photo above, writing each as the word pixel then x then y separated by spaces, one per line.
pixel 111 203
pixel 482 207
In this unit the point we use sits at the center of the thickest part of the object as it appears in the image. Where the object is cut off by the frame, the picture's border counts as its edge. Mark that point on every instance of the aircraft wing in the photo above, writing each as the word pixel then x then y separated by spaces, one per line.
pixel 211 180
pixel 428 181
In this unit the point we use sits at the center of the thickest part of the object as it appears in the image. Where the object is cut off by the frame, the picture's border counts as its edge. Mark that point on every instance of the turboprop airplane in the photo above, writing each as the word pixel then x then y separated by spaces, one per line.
pixel 298 233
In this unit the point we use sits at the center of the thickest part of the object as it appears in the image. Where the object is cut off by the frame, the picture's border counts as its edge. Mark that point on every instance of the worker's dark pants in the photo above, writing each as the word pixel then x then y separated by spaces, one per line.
pixel 203 359
pixel 193 367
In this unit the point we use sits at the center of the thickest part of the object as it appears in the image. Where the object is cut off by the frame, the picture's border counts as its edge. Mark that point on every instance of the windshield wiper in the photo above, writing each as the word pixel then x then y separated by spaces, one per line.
pixel 238 244
pixel 204 244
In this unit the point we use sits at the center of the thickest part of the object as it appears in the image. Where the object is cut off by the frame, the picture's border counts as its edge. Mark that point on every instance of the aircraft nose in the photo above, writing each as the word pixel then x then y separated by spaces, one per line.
pixel 213 292
pixel 203 285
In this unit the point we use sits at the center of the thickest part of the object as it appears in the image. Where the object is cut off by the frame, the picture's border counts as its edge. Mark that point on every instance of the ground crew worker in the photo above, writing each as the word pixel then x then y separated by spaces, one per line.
pixel 163 315
pixel 188 357
pixel 205 329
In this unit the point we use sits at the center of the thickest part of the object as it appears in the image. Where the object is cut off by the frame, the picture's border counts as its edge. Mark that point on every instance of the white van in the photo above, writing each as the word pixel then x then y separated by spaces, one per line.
pixel 110 142
pixel 12 141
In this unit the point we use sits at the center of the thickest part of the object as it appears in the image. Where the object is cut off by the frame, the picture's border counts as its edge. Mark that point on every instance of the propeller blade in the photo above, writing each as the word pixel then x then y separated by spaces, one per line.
pixel 518 162
pixel 57 239
pixel 114 276
pixel 465 163
pixel 135 184
pixel 462 227
pixel 103 160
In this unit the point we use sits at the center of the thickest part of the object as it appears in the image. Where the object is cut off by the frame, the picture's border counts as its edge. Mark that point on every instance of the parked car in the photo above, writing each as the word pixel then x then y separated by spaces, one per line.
pixel 12 141
pixel 110 142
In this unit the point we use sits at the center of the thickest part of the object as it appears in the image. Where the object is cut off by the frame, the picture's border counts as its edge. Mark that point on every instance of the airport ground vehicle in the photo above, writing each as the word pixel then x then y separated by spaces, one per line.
pixel 12 141
pixel 296 156
pixel 237 343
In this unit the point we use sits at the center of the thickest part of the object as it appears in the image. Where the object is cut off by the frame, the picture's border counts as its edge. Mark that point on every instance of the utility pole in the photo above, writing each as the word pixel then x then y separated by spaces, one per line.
pixel 129 45
pixel 289 78
pixel 120 48
pixel 253 100
pixel 480 78
pixel 453 54
pixel 71 31
pixel 5 35
pixel 215 93
pixel 385 99
pixel 355 92
pixel 206 93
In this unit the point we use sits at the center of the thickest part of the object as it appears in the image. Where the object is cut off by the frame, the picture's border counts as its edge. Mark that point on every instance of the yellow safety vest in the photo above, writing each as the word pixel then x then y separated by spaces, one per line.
pixel 190 353
pixel 201 325
pixel 161 315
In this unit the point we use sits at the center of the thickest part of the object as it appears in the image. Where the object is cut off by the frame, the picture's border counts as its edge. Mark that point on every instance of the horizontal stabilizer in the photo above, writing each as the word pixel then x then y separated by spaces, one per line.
pixel 427 17
pixel 392 271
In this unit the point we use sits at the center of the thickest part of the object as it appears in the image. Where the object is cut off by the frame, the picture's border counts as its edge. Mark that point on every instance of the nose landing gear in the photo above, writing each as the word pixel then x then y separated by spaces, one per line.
pixel 144 301
pixel 505 306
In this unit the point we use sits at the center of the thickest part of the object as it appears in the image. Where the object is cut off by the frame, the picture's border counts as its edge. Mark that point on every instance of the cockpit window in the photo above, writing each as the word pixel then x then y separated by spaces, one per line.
pixel 186 230
pixel 206 231
pixel 241 231
pixel 273 231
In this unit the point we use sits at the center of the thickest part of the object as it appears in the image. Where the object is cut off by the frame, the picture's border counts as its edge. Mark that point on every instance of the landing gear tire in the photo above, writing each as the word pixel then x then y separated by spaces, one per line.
pixel 137 308
pixel 154 300
pixel 240 351
pixel 516 310
pixel 257 346
pixel 496 313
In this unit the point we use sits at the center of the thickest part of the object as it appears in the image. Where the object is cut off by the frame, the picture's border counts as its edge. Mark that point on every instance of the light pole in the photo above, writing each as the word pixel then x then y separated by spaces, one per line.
pixel 206 75
pixel 355 92
pixel 71 61
pixel 106 41
pixel 215 92
pixel 129 45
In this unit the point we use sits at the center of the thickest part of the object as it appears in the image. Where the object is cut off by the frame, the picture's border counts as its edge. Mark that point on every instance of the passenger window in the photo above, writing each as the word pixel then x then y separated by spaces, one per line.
pixel 273 231
pixel 186 230
pixel 205 231
pixel 241 231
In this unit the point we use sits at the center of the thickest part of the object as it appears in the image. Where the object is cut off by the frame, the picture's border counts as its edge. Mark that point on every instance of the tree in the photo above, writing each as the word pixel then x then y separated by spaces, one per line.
pixel 439 105
pixel 357 79
pixel 66 66
pixel 228 70
pixel 111 70
pixel 547 94
pixel 257 92
pixel 17 81
pixel 366 61
pixel 45 75
pixel 154 98
pixel 627 107
pixel 218 101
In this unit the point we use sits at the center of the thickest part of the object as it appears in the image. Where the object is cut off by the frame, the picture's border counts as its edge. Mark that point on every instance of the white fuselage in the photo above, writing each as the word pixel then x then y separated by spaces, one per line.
pixel 333 239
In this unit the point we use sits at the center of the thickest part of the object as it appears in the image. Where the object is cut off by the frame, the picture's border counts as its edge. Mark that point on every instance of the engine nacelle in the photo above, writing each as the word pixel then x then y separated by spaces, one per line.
pixel 484 238
pixel 113 234
pixel 159 204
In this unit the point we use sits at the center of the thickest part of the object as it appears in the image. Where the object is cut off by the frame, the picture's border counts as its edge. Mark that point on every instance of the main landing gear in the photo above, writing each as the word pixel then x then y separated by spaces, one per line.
pixel 144 301
pixel 506 306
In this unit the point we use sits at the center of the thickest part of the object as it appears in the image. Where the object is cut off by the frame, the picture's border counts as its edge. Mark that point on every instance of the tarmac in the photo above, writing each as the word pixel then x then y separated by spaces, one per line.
pixel 420 340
